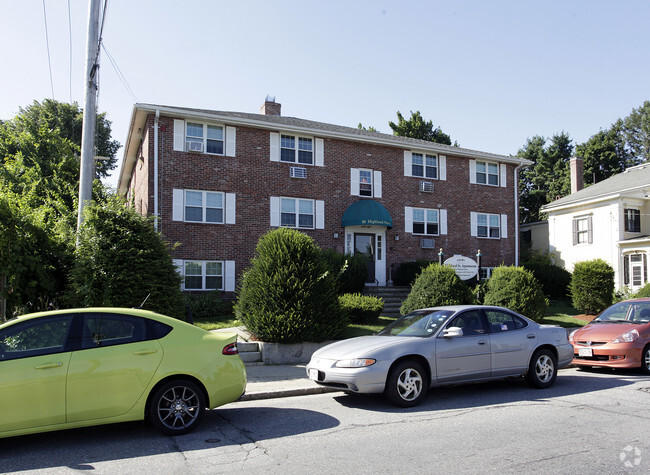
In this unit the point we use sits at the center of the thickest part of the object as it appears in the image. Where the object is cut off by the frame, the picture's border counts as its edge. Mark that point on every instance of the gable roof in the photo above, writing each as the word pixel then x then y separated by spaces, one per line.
pixel 634 179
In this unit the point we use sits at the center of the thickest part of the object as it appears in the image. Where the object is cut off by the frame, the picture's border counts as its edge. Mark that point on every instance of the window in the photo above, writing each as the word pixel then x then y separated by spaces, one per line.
pixel 582 230
pixel 365 183
pixel 106 329
pixel 297 213
pixel 424 165
pixel 425 221
pixel 203 275
pixel 488 225
pixel 487 173
pixel 211 136
pixel 486 273
pixel 632 221
pixel 470 322
pixel 296 149
pixel 204 206
pixel 502 321
pixel 43 336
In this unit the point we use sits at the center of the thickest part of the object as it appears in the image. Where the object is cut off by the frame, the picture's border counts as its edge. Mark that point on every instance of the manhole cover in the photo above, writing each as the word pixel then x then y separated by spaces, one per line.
pixel 645 390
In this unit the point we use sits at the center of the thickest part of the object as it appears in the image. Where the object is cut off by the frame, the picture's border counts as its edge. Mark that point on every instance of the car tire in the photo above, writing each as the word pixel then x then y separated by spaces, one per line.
pixel 542 370
pixel 407 384
pixel 177 407
pixel 645 360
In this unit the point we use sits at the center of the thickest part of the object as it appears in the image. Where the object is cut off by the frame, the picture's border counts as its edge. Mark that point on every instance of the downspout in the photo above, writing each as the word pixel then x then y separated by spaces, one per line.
pixel 155 169
pixel 516 187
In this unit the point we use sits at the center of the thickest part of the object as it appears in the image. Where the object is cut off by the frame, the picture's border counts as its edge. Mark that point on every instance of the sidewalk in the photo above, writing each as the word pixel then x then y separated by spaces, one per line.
pixel 272 381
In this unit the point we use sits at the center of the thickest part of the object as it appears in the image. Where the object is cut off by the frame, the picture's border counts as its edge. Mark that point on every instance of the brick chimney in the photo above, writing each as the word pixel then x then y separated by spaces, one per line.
pixel 270 107
pixel 577 174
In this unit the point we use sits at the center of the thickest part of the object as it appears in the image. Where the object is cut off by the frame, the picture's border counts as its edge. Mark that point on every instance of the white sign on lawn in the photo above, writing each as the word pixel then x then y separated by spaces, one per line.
pixel 466 268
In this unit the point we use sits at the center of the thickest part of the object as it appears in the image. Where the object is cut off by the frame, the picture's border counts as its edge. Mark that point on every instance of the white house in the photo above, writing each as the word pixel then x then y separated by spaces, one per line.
pixel 607 220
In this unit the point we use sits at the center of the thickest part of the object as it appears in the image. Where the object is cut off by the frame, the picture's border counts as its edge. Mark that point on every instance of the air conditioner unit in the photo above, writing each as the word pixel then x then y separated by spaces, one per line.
pixel 426 187
pixel 427 243
pixel 298 172
pixel 194 146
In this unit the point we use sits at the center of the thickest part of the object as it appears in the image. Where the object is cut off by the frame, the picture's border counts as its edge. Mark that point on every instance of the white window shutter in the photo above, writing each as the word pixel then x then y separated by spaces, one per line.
pixel 229 277
pixel 408 219
pixel 408 157
pixel 473 222
pixel 502 180
pixel 230 208
pixel 179 135
pixel 320 214
pixel 178 205
pixel 377 186
pixel 320 153
pixel 231 141
pixel 275 211
pixel 275 147
pixel 442 167
pixel 443 221
pixel 472 171
pixel 354 181
pixel 180 268
pixel 504 226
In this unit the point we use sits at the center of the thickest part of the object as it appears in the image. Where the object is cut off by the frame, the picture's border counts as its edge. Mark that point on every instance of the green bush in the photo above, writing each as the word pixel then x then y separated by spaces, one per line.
pixel 592 286
pixel 408 271
pixel 436 285
pixel 555 280
pixel 206 304
pixel 643 292
pixel 516 288
pixel 361 308
pixel 351 270
pixel 289 293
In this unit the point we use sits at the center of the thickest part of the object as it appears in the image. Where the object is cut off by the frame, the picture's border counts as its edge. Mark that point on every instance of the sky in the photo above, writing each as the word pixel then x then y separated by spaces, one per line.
pixel 490 74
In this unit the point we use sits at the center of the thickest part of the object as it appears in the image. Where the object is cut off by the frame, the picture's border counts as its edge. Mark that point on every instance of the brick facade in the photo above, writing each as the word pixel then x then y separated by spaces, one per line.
pixel 253 178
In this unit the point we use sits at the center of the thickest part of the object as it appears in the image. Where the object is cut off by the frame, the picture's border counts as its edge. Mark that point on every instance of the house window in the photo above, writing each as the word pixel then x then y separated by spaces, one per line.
pixel 365 182
pixel 425 221
pixel 203 275
pixel 632 221
pixel 582 230
pixel 486 273
pixel 211 136
pixel 203 207
pixel 425 166
pixel 487 173
pixel 297 213
pixel 488 225
pixel 296 149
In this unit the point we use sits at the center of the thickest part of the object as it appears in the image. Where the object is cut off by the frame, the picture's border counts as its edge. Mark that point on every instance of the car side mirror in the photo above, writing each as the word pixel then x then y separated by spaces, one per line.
pixel 452 332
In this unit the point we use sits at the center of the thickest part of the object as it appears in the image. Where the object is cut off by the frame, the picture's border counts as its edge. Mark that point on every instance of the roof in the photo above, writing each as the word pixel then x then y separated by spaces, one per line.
pixel 286 124
pixel 634 179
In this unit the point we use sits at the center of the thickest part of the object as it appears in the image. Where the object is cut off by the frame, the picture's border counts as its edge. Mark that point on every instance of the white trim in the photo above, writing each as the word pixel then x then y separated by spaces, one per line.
pixel 319 152
pixel 504 226
pixel 354 182
pixel 229 276
pixel 275 147
pixel 473 222
pixel 179 135
pixel 320 214
pixel 275 211
pixel 376 186
pixel 408 163
pixel 472 171
pixel 502 179
pixel 178 205
pixel 442 167
pixel 443 221
pixel 230 199
pixel 231 141
pixel 408 219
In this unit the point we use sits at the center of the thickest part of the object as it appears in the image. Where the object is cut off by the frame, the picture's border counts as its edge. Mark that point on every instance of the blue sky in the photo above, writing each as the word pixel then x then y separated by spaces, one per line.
pixel 490 73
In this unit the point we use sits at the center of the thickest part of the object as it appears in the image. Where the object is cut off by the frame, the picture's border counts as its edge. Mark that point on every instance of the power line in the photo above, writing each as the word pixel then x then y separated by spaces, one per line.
pixel 47 43
pixel 119 73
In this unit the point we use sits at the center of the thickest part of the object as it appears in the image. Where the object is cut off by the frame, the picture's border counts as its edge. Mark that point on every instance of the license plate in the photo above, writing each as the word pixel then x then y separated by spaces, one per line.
pixel 313 374
pixel 585 352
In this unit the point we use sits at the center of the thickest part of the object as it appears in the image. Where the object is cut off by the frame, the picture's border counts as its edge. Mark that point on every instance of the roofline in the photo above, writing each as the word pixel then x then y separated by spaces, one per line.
pixel 140 111
pixel 590 200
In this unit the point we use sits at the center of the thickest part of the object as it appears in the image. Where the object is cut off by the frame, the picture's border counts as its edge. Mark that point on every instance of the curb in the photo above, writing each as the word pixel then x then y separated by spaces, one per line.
pixel 254 396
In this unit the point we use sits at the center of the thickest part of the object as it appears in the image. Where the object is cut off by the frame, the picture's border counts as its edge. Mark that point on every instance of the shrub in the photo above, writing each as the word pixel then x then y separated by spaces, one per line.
pixel 592 286
pixel 361 308
pixel 642 292
pixel 351 270
pixel 206 304
pixel 555 280
pixel 436 285
pixel 408 271
pixel 516 288
pixel 289 294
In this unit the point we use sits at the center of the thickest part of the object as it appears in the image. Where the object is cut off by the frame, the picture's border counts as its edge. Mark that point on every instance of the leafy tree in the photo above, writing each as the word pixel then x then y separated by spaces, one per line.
pixel 120 259
pixel 417 128
pixel 637 132
pixel 369 128
pixel 605 154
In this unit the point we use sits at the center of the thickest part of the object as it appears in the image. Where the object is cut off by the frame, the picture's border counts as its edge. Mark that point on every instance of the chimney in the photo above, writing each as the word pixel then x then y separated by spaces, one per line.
pixel 577 174
pixel 270 107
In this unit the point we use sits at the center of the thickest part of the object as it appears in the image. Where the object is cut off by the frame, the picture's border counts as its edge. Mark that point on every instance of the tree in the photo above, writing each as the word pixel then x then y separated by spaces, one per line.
pixel 637 132
pixel 605 154
pixel 517 289
pixel 417 128
pixel 369 128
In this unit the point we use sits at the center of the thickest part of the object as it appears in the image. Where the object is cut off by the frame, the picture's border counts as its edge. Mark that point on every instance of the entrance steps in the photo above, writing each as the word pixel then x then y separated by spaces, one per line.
pixel 392 296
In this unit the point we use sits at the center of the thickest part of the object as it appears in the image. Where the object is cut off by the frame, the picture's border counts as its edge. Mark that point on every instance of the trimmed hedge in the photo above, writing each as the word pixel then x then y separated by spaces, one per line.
pixel 516 288
pixel 592 286
pixel 206 304
pixel 408 271
pixel 362 308
pixel 351 270
pixel 555 280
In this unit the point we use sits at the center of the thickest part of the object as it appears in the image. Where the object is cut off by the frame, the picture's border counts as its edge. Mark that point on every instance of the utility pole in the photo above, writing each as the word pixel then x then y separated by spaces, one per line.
pixel 87 167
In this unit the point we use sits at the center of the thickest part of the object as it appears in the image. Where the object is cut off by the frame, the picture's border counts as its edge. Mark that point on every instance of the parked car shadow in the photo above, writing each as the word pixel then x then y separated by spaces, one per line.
pixel 569 383
pixel 81 449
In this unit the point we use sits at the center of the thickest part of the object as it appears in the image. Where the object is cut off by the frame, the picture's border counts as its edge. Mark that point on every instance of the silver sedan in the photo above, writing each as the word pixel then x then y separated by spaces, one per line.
pixel 443 345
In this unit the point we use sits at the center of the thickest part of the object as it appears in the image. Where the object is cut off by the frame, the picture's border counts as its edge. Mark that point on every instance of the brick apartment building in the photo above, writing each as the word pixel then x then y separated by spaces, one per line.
pixel 216 181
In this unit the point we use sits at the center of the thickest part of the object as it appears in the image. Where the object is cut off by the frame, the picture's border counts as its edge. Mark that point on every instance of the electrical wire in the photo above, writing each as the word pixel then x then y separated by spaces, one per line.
pixel 47 43
pixel 119 73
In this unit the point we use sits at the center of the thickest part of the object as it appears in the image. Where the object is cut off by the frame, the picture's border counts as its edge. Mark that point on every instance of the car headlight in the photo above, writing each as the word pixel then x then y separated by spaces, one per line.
pixel 571 335
pixel 627 337
pixel 355 363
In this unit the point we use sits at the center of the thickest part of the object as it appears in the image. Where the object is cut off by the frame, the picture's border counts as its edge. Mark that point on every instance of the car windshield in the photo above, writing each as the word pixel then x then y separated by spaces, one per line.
pixel 419 323
pixel 625 312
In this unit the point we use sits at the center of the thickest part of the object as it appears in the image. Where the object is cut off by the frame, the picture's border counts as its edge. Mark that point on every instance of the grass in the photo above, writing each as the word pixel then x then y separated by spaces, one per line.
pixel 218 322
pixel 560 313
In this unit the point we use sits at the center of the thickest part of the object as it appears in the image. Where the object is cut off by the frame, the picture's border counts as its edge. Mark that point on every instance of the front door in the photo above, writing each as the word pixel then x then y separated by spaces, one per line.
pixel 364 245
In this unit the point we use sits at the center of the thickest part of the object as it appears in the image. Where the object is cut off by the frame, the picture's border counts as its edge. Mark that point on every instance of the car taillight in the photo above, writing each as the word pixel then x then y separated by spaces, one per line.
pixel 230 349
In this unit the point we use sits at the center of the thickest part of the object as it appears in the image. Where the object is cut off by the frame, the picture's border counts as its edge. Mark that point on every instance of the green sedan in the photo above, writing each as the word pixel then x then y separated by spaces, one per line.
pixel 81 367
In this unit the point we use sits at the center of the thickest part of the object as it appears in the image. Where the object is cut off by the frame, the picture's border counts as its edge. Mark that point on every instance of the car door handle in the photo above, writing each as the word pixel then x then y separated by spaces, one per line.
pixel 145 352
pixel 48 365
pixel 482 342
pixel 530 336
